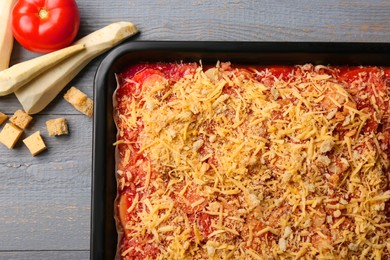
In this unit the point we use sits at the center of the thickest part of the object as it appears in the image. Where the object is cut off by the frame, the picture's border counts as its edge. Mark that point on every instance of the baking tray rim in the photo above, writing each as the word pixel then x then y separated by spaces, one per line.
pixel 103 113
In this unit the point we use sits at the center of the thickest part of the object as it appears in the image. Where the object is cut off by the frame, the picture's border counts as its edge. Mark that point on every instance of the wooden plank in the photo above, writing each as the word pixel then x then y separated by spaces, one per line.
pixel 45 200
pixel 52 255
pixel 252 20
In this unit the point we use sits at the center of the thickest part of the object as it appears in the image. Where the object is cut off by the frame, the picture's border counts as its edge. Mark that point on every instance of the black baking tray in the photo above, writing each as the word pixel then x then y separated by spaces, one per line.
pixel 103 229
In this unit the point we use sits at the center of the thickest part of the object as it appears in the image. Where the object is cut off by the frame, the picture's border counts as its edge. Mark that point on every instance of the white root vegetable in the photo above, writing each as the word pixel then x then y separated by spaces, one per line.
pixel 6 37
pixel 19 74
pixel 39 92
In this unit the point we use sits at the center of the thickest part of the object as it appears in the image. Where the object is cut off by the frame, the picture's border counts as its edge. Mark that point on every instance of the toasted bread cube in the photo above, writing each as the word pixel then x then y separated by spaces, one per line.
pixel 10 135
pixel 57 126
pixel 3 117
pixel 21 119
pixel 80 101
pixel 35 143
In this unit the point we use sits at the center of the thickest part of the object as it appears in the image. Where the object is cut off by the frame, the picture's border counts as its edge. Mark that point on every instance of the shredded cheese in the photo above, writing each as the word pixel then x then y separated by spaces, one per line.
pixel 238 163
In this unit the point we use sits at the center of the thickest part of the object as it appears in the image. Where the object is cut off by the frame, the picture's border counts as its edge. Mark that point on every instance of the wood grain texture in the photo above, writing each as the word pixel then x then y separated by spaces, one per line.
pixel 45 200
pixel 44 255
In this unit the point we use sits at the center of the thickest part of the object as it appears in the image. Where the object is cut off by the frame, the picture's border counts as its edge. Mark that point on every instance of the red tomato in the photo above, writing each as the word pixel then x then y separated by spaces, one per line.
pixel 351 74
pixel 387 73
pixel 143 75
pixel 281 71
pixel 205 224
pixel 45 25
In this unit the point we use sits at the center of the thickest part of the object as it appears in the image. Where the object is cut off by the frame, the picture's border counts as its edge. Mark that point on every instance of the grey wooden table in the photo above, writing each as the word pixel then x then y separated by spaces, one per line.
pixel 45 200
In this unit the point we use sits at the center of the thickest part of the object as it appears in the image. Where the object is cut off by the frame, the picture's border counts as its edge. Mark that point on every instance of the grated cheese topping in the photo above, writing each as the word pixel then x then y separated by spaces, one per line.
pixel 238 163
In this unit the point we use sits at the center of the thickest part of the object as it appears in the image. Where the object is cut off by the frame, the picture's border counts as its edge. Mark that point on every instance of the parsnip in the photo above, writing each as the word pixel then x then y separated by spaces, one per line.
pixel 19 74
pixel 6 37
pixel 38 93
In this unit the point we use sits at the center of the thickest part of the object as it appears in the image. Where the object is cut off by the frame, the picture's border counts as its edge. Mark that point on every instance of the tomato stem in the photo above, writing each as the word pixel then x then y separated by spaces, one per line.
pixel 43 13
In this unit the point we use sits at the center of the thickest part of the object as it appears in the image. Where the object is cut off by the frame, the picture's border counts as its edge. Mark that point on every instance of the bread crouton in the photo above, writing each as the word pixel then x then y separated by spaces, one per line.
pixel 58 126
pixel 80 101
pixel 21 119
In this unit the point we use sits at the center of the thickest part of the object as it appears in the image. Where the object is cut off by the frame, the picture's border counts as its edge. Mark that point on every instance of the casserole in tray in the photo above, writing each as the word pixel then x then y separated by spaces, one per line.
pixel 104 183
